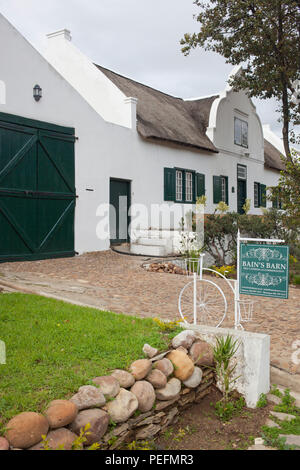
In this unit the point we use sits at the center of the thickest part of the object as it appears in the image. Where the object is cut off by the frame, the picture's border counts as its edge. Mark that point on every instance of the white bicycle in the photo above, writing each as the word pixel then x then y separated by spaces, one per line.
pixel 202 301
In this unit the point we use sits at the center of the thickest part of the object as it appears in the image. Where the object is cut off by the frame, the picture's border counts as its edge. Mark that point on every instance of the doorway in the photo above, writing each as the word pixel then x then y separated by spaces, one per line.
pixel 119 220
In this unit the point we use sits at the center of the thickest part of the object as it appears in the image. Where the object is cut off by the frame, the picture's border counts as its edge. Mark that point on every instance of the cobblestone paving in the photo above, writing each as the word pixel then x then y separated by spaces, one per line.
pixel 119 283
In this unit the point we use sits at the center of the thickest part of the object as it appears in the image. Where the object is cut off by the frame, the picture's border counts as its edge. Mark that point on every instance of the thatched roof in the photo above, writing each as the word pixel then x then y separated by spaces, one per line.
pixel 166 118
pixel 273 157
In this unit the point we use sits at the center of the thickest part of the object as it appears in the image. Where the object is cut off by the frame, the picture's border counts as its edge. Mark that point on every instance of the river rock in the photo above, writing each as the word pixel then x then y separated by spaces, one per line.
pixel 124 378
pixel 123 406
pixel 170 391
pixel 60 413
pixel 195 379
pixel 98 420
pixel 59 439
pixel 149 351
pixel 185 339
pixel 145 395
pixel 141 368
pixel 202 354
pixel 165 366
pixel 183 365
pixel 108 385
pixel 88 397
pixel 157 378
pixel 26 430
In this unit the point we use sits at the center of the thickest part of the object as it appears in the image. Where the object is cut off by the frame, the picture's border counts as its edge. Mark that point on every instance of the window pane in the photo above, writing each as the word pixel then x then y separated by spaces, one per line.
pixel 242 172
pixel 178 185
pixel 237 131
pixel 224 189
pixel 189 187
pixel 256 195
pixel 244 134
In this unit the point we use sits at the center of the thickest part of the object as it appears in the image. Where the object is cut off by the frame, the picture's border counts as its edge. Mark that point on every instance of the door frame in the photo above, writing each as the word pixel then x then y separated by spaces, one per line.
pixel 129 183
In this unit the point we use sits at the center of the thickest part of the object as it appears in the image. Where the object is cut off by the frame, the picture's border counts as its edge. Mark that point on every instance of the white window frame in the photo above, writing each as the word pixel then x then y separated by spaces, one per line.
pixel 188 186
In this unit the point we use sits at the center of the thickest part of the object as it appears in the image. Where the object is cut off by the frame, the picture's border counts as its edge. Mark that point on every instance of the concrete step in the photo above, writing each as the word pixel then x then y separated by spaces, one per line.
pixel 148 250
pixel 154 242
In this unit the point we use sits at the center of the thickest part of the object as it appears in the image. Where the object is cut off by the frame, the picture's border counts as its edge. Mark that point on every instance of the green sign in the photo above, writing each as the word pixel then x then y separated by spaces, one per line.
pixel 264 270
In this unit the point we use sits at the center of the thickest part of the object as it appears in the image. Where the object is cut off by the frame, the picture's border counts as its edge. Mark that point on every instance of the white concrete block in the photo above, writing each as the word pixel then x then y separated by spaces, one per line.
pixel 252 359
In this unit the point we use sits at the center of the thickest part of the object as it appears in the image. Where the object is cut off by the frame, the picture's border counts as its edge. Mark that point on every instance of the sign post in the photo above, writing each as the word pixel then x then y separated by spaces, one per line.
pixel 262 270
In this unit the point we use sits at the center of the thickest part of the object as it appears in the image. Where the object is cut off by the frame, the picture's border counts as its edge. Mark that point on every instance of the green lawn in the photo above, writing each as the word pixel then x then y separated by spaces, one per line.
pixel 54 347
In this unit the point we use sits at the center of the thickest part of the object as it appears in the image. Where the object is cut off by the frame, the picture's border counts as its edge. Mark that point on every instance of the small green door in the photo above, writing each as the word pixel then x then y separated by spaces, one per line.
pixel 119 212
pixel 241 195
pixel 37 190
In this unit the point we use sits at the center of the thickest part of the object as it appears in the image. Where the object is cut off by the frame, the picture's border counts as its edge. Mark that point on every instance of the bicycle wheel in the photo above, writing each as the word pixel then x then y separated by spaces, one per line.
pixel 211 303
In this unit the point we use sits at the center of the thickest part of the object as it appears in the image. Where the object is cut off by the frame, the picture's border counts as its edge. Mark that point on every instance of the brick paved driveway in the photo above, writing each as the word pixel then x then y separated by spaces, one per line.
pixel 118 283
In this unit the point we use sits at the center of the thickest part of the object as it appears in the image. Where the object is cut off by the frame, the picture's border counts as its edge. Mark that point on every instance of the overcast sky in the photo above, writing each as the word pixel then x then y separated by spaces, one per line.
pixel 137 38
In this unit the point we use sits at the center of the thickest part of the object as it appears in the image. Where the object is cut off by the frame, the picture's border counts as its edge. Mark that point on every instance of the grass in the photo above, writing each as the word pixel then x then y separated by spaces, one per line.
pixel 53 348
pixel 287 405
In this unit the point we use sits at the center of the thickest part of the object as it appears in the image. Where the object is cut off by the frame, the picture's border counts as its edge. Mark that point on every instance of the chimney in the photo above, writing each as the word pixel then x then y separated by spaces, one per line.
pixel 63 33
pixel 132 102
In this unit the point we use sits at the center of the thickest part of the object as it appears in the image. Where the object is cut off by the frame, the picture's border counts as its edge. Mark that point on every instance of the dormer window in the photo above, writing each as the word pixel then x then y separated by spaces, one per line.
pixel 240 132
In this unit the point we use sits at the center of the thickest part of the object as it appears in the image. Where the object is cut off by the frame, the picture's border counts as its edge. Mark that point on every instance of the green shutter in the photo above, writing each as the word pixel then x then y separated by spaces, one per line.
pixel 200 183
pixel 217 189
pixel 227 192
pixel 169 184
pixel 263 195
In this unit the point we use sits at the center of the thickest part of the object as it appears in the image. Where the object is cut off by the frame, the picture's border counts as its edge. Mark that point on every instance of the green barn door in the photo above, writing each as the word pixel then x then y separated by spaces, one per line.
pixel 37 191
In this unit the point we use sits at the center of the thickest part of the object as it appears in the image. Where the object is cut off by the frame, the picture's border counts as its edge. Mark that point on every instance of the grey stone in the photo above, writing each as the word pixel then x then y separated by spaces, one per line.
pixel 123 407
pixel 271 424
pixel 170 391
pixel 98 421
pixel 149 351
pixel 108 385
pixel 195 380
pixel 157 378
pixel 283 416
pixel 124 378
pixel 148 432
pixel 165 366
pixel 186 338
pixel 145 394
pixel 88 397
pixel 291 439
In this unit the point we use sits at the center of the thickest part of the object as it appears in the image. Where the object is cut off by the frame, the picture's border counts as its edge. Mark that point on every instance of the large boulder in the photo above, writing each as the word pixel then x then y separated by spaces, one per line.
pixel 124 378
pixel 165 366
pixel 98 421
pixel 108 385
pixel 157 378
pixel 26 430
pixel 202 354
pixel 145 395
pixel 59 439
pixel 141 368
pixel 195 380
pixel 88 397
pixel 123 406
pixel 60 413
pixel 170 391
pixel 185 339
pixel 183 365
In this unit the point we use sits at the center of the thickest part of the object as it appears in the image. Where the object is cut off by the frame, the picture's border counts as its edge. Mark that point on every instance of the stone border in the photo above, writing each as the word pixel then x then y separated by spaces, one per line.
pixel 125 406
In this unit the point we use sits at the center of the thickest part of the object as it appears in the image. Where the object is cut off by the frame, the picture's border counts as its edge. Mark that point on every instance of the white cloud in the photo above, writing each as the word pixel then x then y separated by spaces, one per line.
pixel 136 38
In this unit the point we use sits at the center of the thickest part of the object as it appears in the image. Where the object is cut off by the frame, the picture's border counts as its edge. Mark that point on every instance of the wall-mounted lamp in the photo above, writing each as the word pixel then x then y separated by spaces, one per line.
pixel 37 93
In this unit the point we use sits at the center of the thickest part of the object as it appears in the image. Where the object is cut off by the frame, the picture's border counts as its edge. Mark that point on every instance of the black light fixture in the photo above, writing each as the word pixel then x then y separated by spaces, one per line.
pixel 37 93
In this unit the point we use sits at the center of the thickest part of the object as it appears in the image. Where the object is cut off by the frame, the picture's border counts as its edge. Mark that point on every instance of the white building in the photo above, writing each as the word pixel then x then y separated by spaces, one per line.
pixel 95 138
